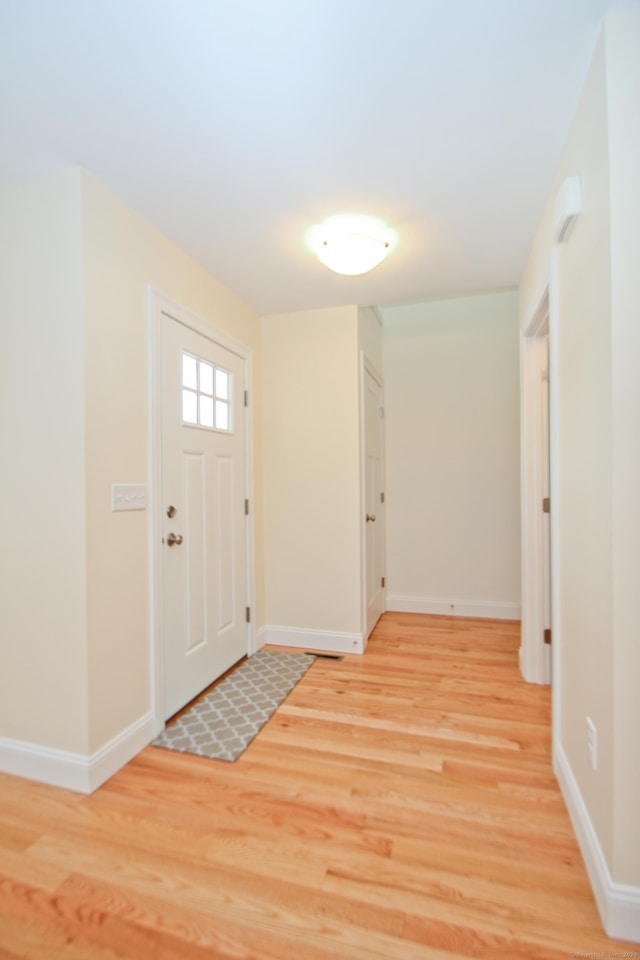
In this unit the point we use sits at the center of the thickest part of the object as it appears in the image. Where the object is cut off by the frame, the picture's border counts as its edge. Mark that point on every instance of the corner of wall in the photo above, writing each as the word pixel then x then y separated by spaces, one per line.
pixel 618 904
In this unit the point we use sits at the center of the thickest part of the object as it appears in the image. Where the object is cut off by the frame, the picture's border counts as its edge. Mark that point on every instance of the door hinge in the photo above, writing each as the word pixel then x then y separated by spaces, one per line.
pixel 246 508
pixel 547 635
pixel 382 413
pixel 248 614
pixel 546 505
pixel 382 581
pixel 246 398
pixel 382 498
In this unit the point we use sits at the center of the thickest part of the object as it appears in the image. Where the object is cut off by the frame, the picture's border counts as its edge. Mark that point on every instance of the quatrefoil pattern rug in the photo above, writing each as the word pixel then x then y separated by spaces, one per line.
pixel 224 723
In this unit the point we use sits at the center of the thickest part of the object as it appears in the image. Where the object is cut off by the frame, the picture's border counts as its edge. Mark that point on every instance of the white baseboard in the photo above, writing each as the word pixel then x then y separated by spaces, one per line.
pixel 75 771
pixel 618 903
pixel 60 768
pixel 115 754
pixel 454 608
pixel 321 640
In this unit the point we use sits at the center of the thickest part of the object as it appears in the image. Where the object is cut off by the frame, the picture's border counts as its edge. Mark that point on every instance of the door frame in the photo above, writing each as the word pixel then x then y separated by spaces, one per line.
pixel 159 304
pixel 366 366
pixel 540 320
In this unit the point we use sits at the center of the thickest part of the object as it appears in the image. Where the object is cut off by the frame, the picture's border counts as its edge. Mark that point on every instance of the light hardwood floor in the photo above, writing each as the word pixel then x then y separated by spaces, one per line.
pixel 399 805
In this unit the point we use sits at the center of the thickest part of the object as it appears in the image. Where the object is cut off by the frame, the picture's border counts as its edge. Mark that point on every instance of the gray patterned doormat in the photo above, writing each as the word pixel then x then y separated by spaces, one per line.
pixel 223 723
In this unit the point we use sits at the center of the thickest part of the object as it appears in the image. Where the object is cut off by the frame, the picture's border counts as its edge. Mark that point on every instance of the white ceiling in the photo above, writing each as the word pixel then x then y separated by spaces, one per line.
pixel 234 125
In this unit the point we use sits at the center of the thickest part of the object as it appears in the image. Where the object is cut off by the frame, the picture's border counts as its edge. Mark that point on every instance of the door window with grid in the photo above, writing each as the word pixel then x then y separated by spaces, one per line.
pixel 206 394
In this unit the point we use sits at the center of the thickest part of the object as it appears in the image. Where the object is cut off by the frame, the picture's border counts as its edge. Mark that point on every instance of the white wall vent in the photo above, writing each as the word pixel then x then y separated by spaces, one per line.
pixel 568 206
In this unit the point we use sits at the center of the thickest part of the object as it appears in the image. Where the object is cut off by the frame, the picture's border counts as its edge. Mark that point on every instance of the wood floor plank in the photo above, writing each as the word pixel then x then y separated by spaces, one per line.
pixel 197 933
pixel 400 805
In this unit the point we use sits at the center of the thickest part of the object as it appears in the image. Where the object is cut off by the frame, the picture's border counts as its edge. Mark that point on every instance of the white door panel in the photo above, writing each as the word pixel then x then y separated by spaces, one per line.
pixel 545 464
pixel 374 502
pixel 203 479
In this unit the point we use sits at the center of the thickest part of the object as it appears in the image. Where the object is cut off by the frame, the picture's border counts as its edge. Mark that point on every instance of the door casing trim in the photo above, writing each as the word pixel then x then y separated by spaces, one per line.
pixel 542 315
pixel 158 304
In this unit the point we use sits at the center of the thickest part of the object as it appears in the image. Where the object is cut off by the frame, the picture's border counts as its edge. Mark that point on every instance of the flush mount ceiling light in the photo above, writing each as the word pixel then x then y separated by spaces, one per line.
pixel 351 245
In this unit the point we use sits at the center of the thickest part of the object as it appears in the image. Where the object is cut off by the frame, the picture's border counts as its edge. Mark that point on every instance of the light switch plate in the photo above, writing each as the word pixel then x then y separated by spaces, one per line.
pixel 128 496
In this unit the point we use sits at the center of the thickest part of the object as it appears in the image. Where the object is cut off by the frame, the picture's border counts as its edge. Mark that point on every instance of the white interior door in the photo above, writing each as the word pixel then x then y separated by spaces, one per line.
pixel 374 498
pixel 204 560
pixel 545 471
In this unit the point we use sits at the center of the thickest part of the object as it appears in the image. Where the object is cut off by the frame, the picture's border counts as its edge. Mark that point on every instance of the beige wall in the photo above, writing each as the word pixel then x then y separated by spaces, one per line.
pixel 122 254
pixel 370 335
pixel 77 264
pixel 43 654
pixel 452 423
pixel 583 466
pixel 622 40
pixel 598 459
pixel 312 470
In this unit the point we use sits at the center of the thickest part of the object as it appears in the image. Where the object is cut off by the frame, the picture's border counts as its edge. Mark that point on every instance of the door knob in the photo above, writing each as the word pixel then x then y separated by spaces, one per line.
pixel 371 518
pixel 174 538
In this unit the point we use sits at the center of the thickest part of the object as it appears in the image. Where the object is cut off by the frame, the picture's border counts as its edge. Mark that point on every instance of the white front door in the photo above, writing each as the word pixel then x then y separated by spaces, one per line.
pixel 204 560
pixel 374 498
